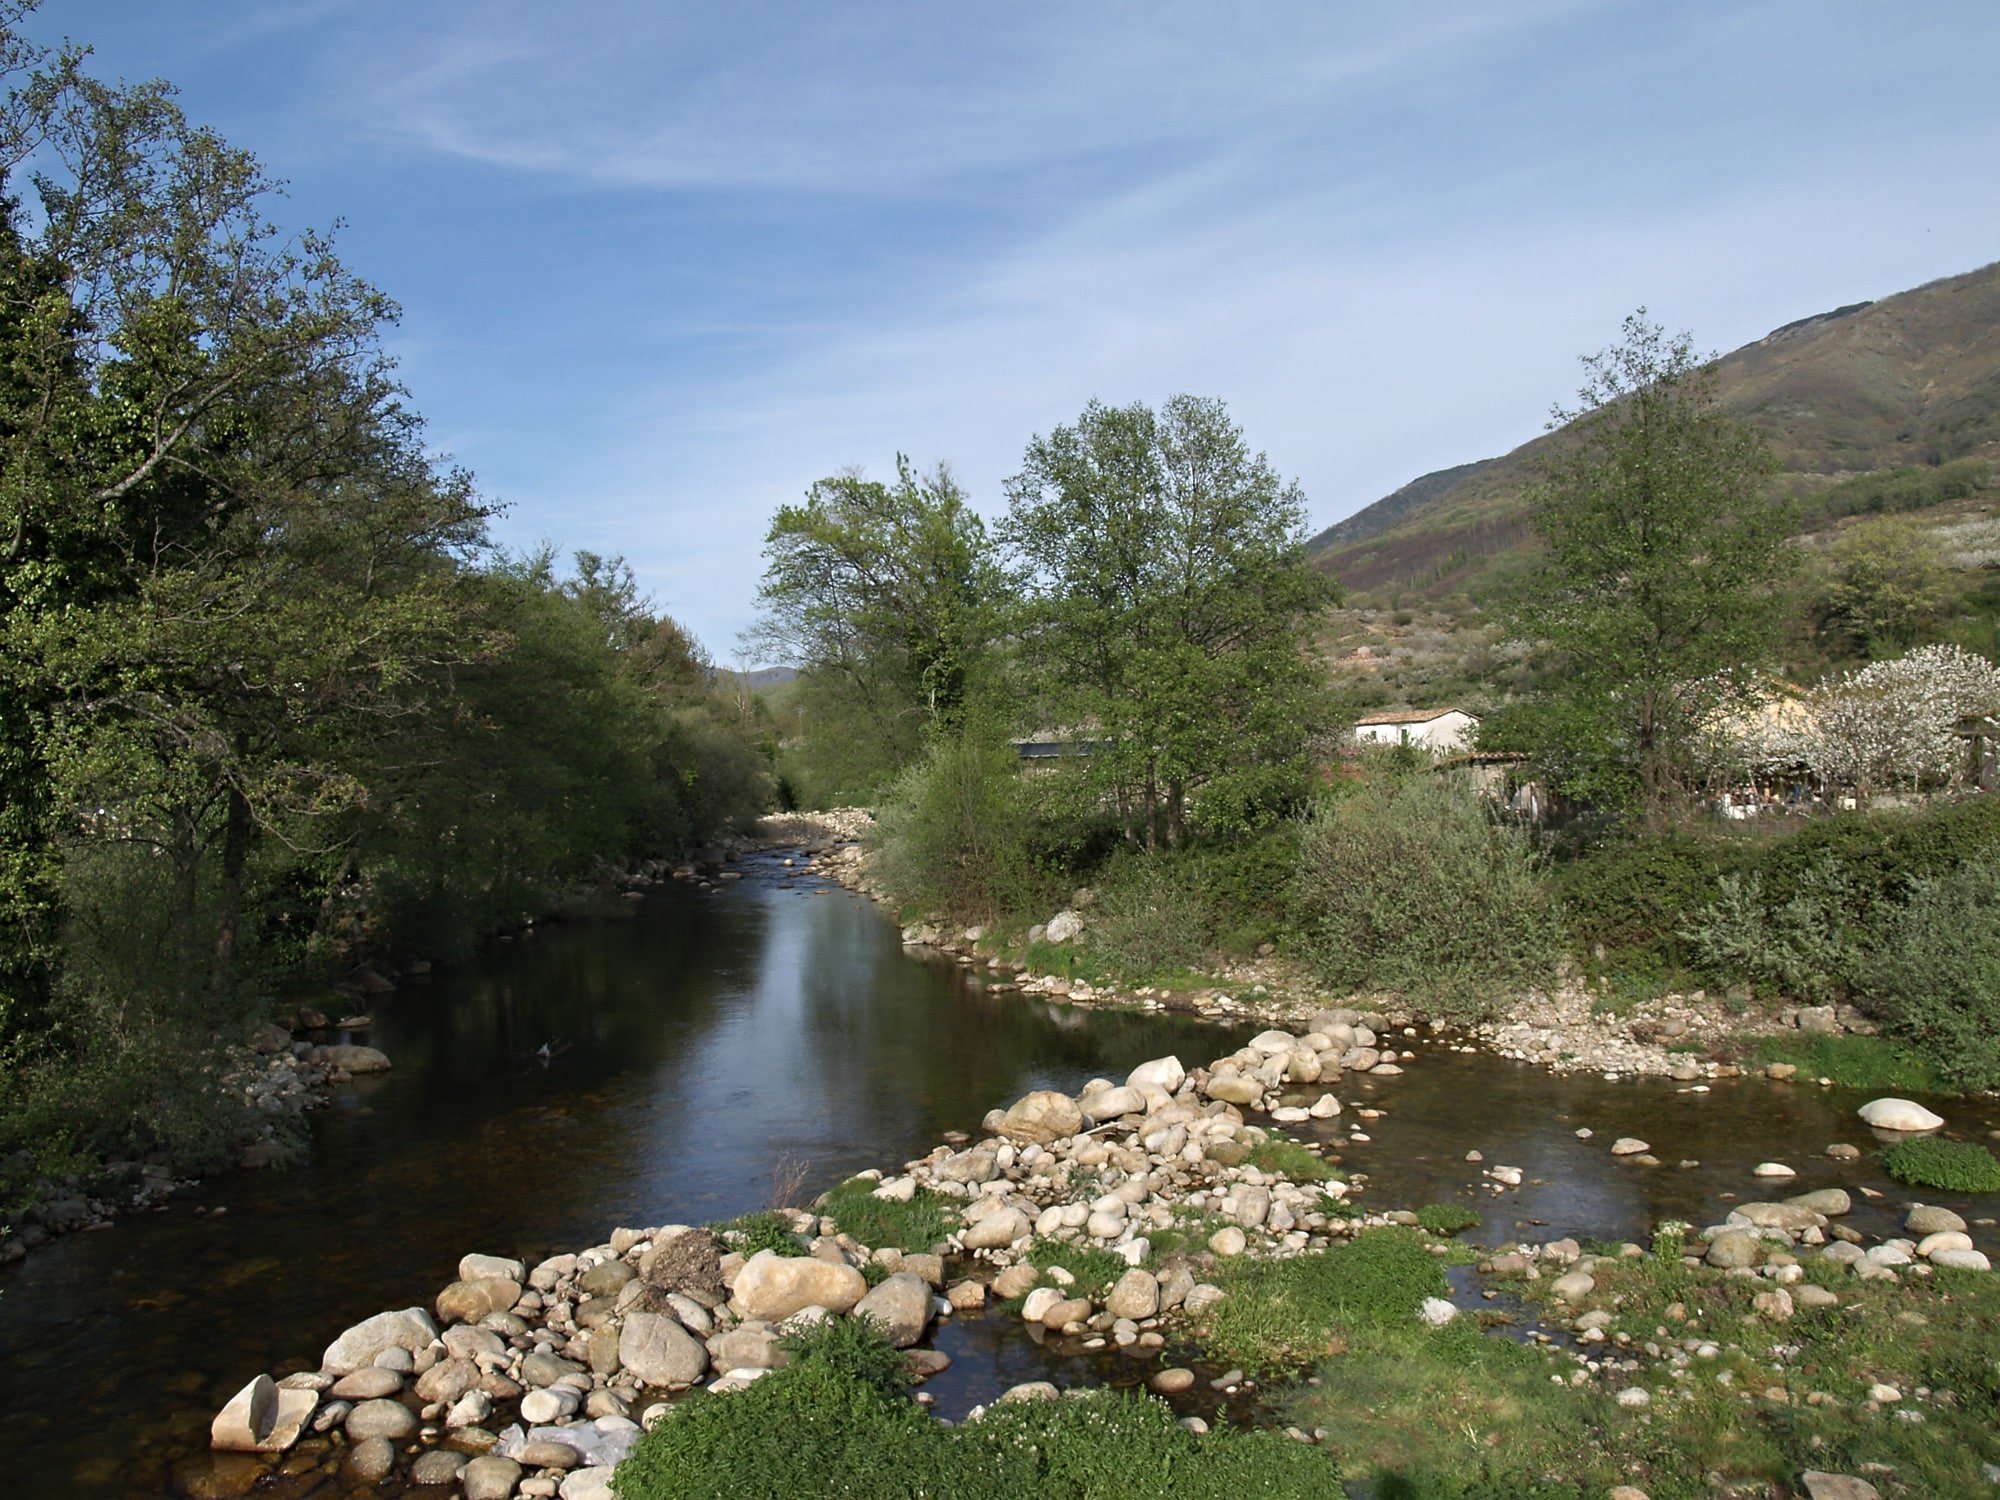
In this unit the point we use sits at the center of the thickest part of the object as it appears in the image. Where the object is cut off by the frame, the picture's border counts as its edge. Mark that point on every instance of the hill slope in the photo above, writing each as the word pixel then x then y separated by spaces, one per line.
pixel 1913 379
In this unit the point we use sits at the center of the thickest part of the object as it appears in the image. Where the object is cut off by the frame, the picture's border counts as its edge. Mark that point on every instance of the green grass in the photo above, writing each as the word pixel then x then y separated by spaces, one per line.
pixel 1446 1218
pixel 1095 1271
pixel 1949 1166
pixel 917 1225
pixel 769 1230
pixel 834 1423
pixel 1284 1157
pixel 1281 1314
pixel 1457 1414
pixel 1855 1062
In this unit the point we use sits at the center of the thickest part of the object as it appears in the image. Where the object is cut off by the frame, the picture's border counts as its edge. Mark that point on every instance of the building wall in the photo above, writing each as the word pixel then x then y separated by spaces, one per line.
pixel 1445 735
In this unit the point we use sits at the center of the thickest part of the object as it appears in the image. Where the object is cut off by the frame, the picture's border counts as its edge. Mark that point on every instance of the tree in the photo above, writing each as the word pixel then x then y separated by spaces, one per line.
pixel 1884 580
pixel 882 595
pixel 1659 579
pixel 1167 605
pixel 1895 723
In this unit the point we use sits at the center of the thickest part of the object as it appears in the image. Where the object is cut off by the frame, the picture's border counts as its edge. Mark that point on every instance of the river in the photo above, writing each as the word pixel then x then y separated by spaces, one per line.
pixel 699 1045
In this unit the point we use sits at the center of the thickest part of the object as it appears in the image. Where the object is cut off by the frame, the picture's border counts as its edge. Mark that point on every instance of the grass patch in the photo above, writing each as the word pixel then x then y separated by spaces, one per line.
pixel 880 1222
pixel 1855 1062
pixel 769 1230
pixel 1281 1314
pixel 834 1423
pixel 1095 1271
pixel 1446 1218
pixel 1949 1166
pixel 1282 1156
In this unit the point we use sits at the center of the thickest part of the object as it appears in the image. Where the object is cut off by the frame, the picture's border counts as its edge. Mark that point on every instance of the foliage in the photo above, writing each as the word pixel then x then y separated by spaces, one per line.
pixel 1410 883
pixel 1634 896
pixel 1948 1166
pixel 1094 1269
pixel 1932 975
pixel 1153 918
pixel 769 1230
pixel 882 595
pixel 1661 554
pixel 1280 1154
pixel 832 1423
pixel 1167 600
pixel 1890 491
pixel 960 832
pixel 1446 1218
pixel 1282 1313
pixel 1882 583
pixel 1806 946
pixel 878 1222
pixel 1852 1061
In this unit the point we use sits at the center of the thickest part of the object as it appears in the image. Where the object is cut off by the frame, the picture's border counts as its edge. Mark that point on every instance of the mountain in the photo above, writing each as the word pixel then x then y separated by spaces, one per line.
pixel 1911 380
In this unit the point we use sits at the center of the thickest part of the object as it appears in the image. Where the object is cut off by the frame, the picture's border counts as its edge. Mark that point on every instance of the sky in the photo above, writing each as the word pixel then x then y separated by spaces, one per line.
pixel 662 265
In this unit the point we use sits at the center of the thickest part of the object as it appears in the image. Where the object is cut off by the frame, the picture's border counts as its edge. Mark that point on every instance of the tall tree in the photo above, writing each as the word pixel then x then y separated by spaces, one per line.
pixel 1168 604
pixel 1659 579
pixel 882 595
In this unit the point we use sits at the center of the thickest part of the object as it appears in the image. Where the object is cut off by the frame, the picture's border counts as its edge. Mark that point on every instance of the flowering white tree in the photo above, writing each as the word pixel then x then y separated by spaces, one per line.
pixel 1893 723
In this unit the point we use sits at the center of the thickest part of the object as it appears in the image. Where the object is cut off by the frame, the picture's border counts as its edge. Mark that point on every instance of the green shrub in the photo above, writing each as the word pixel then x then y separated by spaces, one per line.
pixel 1933 976
pixel 1153 918
pixel 1410 883
pixel 880 1222
pixel 1948 1166
pixel 1806 945
pixel 1446 1218
pixel 1853 1061
pixel 769 1230
pixel 852 1348
pixel 960 832
pixel 1634 897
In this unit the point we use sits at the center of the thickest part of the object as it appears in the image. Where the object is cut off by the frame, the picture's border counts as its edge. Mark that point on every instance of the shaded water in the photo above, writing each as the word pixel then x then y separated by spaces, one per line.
pixel 699 1043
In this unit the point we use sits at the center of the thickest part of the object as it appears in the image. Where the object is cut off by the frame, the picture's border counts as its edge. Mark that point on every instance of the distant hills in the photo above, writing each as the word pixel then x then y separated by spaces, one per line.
pixel 1913 379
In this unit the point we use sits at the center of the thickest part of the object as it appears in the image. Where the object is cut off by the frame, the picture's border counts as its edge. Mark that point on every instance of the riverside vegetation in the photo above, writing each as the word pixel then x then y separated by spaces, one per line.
pixel 272 707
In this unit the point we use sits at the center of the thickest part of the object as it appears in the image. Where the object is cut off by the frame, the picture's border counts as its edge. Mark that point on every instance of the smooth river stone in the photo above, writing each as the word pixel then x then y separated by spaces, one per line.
pixel 370 1460
pixel 262 1418
pixel 490 1478
pixel 659 1352
pixel 900 1307
pixel 1041 1117
pixel 1899 1114
pixel 438 1467
pixel 469 1301
pixel 411 1329
pixel 381 1418
pixel 366 1385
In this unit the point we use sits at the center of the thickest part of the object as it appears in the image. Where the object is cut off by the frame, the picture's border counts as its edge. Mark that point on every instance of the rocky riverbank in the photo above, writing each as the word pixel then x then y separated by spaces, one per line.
pixel 278 1075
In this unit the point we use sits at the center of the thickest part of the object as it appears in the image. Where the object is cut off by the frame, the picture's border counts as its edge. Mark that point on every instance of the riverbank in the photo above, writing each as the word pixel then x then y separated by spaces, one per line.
pixel 1154 1216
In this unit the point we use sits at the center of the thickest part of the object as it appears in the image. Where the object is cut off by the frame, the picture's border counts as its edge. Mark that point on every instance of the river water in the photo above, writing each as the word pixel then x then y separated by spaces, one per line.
pixel 699 1045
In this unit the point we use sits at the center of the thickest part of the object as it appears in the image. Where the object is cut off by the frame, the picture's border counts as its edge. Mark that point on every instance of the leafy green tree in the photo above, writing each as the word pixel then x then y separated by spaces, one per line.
pixel 1883 582
pixel 1167 607
pixel 1664 555
pixel 882 595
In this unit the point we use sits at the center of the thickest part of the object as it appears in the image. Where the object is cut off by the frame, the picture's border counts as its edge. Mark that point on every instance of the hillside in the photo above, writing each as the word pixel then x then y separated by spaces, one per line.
pixel 1911 380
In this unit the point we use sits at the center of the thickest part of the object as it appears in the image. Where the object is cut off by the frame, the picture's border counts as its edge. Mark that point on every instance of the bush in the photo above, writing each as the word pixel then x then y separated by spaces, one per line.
pixel 1409 883
pixel 1634 897
pixel 770 1230
pixel 1806 946
pixel 1933 976
pixel 1094 1270
pixel 1948 1166
pixel 1153 918
pixel 960 833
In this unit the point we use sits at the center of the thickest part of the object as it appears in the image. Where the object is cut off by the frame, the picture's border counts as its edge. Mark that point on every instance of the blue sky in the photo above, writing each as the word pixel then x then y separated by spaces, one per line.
pixel 663 265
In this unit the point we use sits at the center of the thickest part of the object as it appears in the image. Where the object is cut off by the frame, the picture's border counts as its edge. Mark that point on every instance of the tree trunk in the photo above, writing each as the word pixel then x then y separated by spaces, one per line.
pixel 236 833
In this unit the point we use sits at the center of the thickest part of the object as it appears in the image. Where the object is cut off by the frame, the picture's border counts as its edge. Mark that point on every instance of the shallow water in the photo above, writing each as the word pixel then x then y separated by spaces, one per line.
pixel 700 1043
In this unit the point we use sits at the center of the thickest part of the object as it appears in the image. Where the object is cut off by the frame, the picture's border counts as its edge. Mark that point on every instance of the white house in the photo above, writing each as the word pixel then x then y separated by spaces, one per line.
pixel 1441 731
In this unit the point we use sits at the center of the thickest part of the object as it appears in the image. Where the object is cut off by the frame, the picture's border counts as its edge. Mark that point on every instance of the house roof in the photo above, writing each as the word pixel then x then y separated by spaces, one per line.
pixel 1408 716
